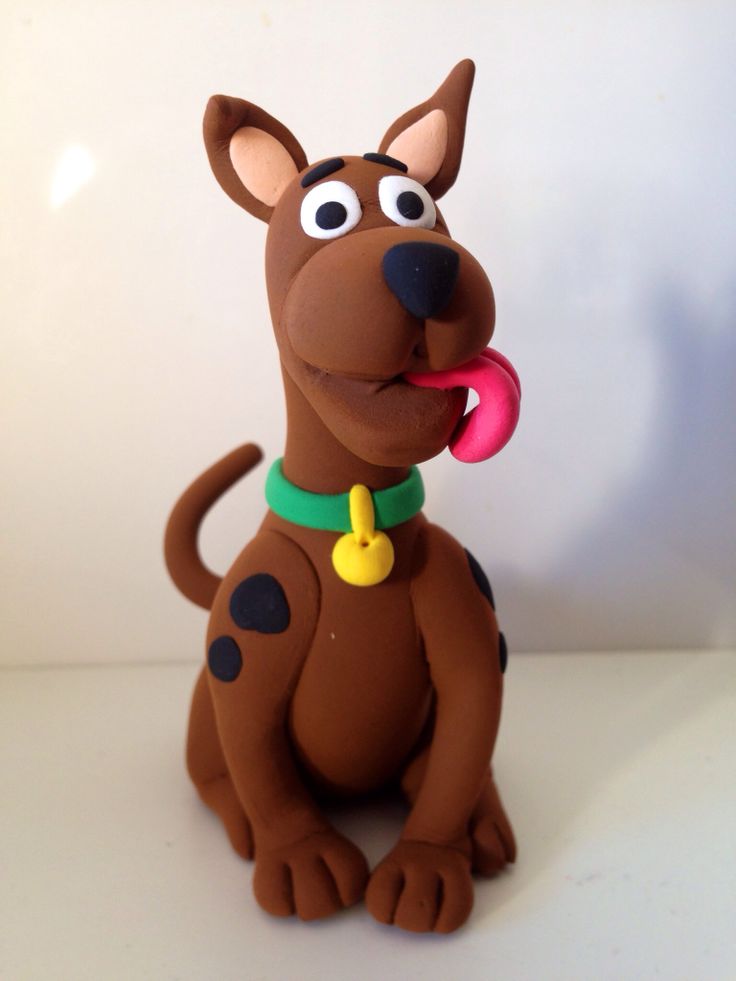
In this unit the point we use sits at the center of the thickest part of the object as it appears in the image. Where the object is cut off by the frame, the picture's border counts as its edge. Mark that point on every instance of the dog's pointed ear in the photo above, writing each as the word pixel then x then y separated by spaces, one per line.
pixel 253 156
pixel 429 138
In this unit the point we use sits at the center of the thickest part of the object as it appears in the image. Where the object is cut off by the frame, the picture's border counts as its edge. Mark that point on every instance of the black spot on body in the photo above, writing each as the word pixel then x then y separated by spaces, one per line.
pixel 503 652
pixel 481 579
pixel 224 659
pixel 259 604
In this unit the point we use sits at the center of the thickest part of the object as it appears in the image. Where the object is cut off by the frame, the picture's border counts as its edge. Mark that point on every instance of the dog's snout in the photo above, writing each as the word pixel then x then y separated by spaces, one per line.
pixel 422 275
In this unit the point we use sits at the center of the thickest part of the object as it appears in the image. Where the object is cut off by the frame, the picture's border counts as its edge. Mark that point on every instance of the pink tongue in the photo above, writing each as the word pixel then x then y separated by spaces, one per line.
pixel 488 427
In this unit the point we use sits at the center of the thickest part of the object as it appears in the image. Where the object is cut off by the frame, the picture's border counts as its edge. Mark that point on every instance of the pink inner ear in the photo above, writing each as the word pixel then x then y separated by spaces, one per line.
pixel 423 146
pixel 263 165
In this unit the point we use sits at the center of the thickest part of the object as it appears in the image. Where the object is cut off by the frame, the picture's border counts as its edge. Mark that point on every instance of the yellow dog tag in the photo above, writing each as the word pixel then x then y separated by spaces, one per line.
pixel 364 556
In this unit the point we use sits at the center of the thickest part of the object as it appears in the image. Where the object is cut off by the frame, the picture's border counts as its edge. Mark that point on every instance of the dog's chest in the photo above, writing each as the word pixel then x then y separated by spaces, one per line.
pixel 364 691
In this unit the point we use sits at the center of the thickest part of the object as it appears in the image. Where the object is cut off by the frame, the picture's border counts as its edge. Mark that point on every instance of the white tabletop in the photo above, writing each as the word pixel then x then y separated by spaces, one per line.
pixel 618 773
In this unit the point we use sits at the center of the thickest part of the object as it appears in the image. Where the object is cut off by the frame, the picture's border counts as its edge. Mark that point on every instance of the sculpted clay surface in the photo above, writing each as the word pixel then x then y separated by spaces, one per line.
pixel 353 645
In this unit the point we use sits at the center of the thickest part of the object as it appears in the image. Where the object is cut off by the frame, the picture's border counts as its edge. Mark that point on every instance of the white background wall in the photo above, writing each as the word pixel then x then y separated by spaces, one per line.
pixel 597 189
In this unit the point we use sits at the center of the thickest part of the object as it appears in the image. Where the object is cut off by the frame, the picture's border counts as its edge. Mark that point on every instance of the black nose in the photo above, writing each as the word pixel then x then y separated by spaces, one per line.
pixel 422 275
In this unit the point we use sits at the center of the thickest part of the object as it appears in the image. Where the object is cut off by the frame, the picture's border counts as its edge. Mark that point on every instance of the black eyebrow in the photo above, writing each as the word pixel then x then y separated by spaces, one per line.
pixel 381 158
pixel 322 170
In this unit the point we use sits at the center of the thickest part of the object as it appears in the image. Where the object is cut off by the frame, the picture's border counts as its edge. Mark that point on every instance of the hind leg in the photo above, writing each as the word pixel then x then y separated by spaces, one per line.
pixel 208 770
pixel 491 837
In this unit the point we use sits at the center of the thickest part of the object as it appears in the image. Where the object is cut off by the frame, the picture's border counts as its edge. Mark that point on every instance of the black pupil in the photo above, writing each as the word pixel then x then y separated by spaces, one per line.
pixel 410 205
pixel 331 214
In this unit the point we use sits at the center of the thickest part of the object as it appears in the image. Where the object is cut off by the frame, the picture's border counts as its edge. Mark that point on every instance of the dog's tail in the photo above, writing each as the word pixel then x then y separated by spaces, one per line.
pixel 183 560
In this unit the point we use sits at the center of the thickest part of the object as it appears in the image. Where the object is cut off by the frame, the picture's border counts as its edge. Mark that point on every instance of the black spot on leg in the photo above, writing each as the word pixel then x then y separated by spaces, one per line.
pixel 224 659
pixel 481 579
pixel 259 604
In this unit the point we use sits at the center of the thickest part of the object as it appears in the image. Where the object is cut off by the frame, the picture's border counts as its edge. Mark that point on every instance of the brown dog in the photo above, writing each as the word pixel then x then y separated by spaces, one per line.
pixel 343 658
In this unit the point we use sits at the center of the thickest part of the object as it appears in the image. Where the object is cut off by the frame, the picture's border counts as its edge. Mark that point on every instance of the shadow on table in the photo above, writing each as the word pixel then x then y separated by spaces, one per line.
pixel 657 567
pixel 572 745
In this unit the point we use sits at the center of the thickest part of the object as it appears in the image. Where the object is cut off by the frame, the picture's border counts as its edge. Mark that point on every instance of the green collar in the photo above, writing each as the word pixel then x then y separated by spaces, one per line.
pixel 331 512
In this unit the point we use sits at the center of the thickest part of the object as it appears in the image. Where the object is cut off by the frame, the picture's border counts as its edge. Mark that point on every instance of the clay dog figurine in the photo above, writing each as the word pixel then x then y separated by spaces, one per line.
pixel 353 645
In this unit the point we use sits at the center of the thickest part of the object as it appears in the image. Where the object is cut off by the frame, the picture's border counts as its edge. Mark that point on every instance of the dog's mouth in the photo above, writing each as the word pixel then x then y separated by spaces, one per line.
pixel 488 427
pixel 434 402
pixel 385 420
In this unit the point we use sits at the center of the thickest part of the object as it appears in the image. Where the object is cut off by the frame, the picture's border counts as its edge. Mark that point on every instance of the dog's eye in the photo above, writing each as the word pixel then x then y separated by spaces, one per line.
pixel 406 202
pixel 330 210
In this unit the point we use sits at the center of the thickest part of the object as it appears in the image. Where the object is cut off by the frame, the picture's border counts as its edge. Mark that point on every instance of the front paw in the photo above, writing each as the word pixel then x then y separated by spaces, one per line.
pixel 421 887
pixel 314 877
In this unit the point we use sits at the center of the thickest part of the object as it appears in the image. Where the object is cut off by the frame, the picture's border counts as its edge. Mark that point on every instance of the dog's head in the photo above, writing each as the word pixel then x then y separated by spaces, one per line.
pixel 364 281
